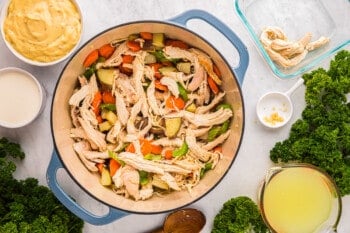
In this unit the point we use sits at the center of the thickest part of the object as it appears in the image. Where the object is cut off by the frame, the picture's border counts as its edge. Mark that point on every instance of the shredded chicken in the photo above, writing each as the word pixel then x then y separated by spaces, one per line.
pixel 130 123
pixel 288 53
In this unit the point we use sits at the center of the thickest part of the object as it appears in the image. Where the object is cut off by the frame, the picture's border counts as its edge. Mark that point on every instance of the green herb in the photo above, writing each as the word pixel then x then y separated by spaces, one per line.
pixel 322 136
pixel 26 206
pixel 239 215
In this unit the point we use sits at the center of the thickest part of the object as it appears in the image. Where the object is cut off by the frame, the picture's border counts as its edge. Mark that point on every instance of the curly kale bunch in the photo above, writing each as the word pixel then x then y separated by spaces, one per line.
pixel 322 136
pixel 239 215
pixel 26 206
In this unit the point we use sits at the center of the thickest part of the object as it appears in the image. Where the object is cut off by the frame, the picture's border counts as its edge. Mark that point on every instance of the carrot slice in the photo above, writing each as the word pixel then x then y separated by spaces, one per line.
pixel 108 98
pixel 212 85
pixel 91 58
pixel 133 45
pixel 177 43
pixel 128 58
pixel 130 148
pixel 99 119
pixel 106 50
pixel 146 35
pixel 175 103
pixel 113 166
pixel 155 67
pixel 146 146
pixel 218 149
pixel 100 167
pixel 156 149
pixel 160 86
pixel 168 154
pixel 96 102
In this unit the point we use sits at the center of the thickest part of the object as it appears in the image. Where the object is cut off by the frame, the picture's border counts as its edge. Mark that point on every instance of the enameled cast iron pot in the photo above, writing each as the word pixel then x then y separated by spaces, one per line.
pixel 64 156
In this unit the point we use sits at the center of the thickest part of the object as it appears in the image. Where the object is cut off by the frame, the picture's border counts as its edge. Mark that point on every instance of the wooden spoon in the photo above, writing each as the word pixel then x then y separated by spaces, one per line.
pixel 183 221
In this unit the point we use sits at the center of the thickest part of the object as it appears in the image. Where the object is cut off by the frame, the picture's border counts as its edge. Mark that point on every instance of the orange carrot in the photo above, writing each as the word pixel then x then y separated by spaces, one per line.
pixel 113 166
pixel 100 167
pixel 155 67
pixel 133 45
pixel 218 149
pixel 146 35
pixel 108 98
pixel 160 86
pixel 174 103
pixel 177 43
pixel 130 148
pixel 91 58
pixel 168 154
pixel 146 146
pixel 212 85
pixel 106 50
pixel 99 119
pixel 128 58
pixel 156 149
pixel 96 102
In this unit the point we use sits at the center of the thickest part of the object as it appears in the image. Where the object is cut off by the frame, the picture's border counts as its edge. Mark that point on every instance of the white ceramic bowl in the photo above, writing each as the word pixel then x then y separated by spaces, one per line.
pixel 3 16
pixel 21 97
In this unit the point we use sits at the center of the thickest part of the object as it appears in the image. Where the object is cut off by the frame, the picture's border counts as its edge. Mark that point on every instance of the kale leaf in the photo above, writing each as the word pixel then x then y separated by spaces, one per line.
pixel 26 206
pixel 239 215
pixel 322 135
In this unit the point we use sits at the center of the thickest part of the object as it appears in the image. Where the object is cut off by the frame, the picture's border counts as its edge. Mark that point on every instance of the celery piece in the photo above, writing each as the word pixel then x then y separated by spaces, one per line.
pixel 151 156
pixel 224 127
pixel 182 91
pixel 179 152
pixel 213 133
pixel 207 167
pixel 224 106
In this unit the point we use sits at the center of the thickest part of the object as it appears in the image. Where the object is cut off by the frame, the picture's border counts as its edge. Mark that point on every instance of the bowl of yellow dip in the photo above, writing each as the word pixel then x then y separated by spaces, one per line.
pixel 41 32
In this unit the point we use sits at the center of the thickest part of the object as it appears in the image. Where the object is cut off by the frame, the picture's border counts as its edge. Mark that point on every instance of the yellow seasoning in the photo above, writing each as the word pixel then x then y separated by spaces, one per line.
pixel 274 118
pixel 297 200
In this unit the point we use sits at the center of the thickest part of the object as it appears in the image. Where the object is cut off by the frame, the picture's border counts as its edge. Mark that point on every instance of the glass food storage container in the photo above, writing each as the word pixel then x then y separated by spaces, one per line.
pixel 296 18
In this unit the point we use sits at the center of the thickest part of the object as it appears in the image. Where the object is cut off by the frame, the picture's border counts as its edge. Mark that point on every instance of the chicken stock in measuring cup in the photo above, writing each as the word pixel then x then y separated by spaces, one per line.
pixel 299 198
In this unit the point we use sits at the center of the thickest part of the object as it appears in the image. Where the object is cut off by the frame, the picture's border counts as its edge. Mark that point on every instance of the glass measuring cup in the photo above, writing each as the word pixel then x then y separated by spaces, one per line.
pixel 299 198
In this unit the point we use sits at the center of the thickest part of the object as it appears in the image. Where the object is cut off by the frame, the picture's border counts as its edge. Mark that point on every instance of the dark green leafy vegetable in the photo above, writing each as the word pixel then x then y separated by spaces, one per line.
pixel 26 206
pixel 239 215
pixel 322 136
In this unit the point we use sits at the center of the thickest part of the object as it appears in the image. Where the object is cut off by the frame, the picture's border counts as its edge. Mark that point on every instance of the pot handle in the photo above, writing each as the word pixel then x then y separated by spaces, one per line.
pixel 70 204
pixel 226 31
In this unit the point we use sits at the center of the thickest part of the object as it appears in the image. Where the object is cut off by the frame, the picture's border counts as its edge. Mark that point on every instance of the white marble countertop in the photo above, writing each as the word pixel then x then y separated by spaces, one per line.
pixel 252 161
